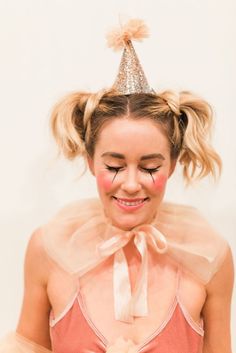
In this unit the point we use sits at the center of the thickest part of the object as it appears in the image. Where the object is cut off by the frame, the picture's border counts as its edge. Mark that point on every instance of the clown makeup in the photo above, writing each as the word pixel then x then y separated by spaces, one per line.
pixel 152 157
pixel 132 165
pixel 115 163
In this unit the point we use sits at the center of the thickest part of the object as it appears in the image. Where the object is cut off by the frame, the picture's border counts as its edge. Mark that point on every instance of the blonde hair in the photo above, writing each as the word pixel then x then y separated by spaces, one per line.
pixel 187 120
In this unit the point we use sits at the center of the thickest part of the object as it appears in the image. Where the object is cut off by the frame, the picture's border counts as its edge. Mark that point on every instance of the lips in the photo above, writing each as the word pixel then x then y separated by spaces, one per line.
pixel 130 200
pixel 130 203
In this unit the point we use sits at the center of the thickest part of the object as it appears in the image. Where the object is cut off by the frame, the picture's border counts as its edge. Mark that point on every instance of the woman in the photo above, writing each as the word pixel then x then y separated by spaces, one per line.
pixel 129 272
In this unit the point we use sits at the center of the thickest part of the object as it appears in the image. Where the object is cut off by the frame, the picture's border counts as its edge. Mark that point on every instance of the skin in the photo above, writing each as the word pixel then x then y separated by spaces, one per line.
pixel 133 140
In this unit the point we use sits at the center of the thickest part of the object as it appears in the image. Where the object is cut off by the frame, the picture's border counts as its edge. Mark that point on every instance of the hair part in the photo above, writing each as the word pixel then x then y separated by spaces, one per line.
pixel 78 118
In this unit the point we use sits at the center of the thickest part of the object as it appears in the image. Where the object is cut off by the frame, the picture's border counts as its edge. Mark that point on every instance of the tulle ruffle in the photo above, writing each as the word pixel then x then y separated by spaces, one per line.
pixel 15 343
pixel 72 238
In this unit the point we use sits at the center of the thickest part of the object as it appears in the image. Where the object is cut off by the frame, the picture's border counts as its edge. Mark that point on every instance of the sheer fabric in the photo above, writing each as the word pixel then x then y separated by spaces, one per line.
pixel 73 236
pixel 15 343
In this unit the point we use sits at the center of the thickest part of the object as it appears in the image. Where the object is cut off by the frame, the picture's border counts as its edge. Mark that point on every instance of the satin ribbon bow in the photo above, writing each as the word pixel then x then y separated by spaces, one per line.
pixel 127 306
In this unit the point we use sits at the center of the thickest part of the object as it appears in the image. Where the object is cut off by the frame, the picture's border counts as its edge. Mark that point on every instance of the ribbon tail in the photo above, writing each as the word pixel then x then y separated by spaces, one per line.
pixel 122 288
pixel 140 305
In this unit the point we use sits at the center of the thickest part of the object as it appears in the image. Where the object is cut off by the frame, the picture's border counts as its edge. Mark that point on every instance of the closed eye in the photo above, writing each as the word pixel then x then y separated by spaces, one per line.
pixel 151 170
pixel 113 169
pixel 146 170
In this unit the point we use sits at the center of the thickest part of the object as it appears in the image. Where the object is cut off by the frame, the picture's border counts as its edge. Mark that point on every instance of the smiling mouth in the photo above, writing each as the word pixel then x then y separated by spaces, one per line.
pixel 130 202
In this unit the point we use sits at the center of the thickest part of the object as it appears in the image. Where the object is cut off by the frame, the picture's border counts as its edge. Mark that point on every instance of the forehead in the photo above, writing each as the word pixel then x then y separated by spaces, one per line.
pixel 129 136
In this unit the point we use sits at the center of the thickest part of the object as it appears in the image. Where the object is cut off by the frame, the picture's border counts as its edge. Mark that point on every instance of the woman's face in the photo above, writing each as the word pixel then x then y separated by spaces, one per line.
pixel 131 164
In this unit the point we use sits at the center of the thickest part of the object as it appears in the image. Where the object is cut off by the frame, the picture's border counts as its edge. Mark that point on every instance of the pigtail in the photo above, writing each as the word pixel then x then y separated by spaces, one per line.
pixel 67 124
pixel 171 111
pixel 71 122
pixel 197 156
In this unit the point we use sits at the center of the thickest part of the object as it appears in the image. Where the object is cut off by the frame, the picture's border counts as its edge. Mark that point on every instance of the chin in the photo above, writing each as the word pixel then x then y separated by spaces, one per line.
pixel 128 223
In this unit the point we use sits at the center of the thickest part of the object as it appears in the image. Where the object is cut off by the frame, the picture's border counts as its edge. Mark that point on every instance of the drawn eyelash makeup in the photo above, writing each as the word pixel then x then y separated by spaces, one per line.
pixel 145 170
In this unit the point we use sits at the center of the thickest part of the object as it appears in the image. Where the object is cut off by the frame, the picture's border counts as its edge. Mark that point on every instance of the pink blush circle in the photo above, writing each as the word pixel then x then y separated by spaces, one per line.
pixel 104 181
pixel 160 182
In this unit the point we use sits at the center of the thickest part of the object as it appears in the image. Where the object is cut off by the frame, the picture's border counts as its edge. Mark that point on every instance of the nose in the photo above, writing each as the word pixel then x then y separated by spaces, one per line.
pixel 131 183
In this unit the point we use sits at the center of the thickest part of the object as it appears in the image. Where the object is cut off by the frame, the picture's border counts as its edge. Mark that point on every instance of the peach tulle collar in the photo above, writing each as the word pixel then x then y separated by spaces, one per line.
pixel 80 237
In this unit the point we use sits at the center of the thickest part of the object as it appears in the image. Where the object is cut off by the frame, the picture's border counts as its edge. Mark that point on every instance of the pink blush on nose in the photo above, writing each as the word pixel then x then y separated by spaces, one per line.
pixel 160 182
pixel 104 181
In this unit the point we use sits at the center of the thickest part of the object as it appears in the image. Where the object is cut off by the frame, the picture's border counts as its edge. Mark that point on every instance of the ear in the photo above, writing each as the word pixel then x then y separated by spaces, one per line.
pixel 172 167
pixel 90 164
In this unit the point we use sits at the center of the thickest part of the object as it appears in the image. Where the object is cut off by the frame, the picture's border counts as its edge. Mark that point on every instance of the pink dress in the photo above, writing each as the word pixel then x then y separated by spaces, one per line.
pixel 75 332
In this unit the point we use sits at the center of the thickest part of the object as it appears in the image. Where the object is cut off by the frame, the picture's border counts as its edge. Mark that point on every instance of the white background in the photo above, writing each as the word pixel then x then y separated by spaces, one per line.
pixel 49 48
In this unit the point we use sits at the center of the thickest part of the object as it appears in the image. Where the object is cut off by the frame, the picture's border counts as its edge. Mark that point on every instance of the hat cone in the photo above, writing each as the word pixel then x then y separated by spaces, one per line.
pixel 130 78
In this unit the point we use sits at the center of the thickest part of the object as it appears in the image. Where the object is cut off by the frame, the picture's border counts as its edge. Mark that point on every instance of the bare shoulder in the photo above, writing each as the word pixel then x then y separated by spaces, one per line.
pixel 217 308
pixel 35 244
pixel 35 311
pixel 37 261
pixel 223 280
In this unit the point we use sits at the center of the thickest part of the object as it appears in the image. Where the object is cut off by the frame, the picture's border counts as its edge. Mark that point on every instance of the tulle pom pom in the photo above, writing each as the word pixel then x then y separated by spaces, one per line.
pixel 135 29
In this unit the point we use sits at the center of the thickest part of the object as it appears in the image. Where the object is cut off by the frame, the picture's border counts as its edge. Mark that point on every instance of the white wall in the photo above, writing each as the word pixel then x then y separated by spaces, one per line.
pixel 49 48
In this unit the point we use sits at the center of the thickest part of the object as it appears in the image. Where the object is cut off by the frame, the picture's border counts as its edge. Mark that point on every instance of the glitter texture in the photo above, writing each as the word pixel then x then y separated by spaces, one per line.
pixel 131 78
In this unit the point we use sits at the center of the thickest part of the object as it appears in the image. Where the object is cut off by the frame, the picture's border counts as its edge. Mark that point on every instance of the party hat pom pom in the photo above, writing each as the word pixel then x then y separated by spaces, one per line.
pixel 135 29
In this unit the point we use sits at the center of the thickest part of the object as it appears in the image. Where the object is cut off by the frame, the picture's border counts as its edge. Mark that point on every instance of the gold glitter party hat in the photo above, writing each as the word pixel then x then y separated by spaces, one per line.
pixel 130 78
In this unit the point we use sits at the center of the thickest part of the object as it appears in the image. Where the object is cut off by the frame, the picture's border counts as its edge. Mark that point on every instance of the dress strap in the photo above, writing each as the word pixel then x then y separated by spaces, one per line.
pixel 54 320
pixel 198 327
pixel 177 283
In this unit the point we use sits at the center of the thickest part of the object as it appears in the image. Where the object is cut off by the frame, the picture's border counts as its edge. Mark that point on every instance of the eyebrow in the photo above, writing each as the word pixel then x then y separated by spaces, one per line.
pixel 143 158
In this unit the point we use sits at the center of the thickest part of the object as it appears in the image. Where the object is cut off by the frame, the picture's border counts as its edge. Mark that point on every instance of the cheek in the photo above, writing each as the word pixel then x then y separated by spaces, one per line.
pixel 159 183
pixel 104 181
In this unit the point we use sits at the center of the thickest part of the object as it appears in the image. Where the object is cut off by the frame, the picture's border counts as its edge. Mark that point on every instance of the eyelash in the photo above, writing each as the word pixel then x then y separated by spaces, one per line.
pixel 146 170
